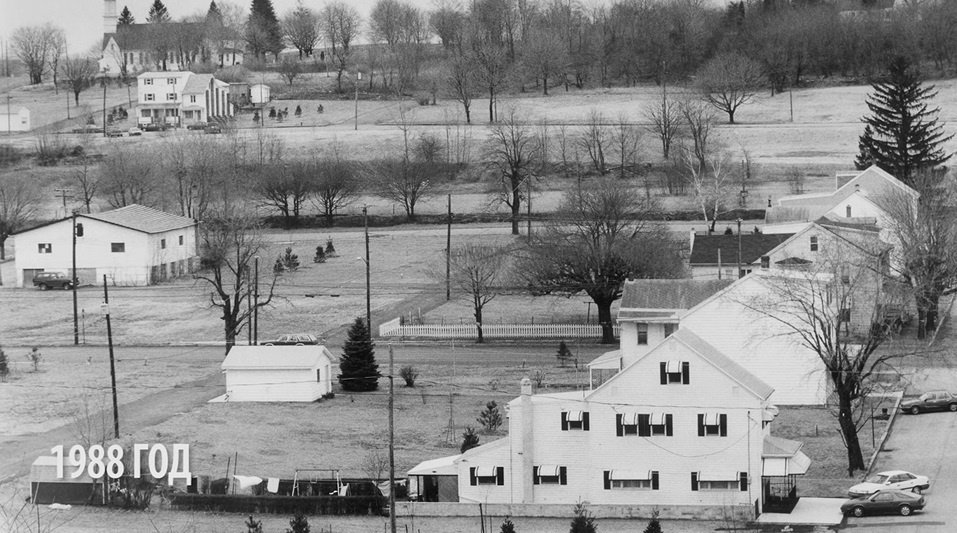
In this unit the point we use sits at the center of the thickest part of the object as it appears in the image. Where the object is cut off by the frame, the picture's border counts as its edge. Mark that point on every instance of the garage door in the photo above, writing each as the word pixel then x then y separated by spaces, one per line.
pixel 28 274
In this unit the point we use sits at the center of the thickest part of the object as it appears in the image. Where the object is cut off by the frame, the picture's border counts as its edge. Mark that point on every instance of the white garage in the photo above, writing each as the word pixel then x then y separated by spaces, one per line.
pixel 277 373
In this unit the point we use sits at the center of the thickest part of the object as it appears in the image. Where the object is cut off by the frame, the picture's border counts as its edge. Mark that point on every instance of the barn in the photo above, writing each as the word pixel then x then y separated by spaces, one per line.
pixel 278 373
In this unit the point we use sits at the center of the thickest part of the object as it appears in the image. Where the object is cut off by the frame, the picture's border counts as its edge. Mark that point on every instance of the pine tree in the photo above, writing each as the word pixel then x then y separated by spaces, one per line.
pixel 299 524
pixel 491 417
pixel 358 370
pixel 564 354
pixel 330 249
pixel 4 367
pixel 507 526
pixel 320 256
pixel 583 522
pixel 254 526
pixel 278 267
pixel 213 14
pixel 470 439
pixel 126 17
pixel 158 12
pixel 262 29
pixel 654 526
pixel 902 135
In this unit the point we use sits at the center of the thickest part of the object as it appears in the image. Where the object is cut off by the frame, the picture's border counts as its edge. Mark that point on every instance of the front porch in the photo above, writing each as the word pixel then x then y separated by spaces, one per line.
pixel 782 461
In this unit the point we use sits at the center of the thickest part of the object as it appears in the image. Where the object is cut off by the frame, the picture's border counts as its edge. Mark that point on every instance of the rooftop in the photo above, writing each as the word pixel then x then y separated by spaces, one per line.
pixel 142 218
pixel 667 293
pixel 753 246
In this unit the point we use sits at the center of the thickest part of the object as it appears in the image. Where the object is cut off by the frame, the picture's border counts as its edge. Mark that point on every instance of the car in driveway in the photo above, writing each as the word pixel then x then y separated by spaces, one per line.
pixel 888 501
pixel 134 132
pixel 891 479
pixel 938 400
pixel 293 339
pixel 196 126
pixel 114 132
pixel 53 280
pixel 213 128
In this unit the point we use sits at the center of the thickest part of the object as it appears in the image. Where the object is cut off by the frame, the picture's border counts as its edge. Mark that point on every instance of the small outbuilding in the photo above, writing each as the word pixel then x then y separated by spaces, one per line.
pixel 436 480
pixel 15 120
pixel 259 94
pixel 278 373
pixel 46 487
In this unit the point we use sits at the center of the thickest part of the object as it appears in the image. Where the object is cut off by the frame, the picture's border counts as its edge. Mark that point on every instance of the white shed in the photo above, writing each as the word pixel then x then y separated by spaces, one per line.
pixel 259 93
pixel 277 373
pixel 12 120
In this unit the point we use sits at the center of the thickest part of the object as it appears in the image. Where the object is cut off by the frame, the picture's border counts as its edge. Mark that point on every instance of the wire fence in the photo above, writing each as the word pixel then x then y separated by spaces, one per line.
pixel 395 328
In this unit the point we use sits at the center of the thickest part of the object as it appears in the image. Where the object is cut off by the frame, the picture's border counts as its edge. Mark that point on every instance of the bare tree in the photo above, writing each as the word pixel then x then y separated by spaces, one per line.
pixel 408 180
pixel 601 236
pixel 128 176
pixel 289 69
pixel 625 136
pixel 545 55
pixel 698 123
pixel 665 123
pixel 32 44
pixel 340 22
pixel 593 139
pixel 20 199
pixel 512 153
pixel 286 187
pixel 478 271
pixel 448 22
pixel 729 81
pixel 712 184
pixel 301 28
pixel 87 180
pixel 57 50
pixel 924 232
pixel 78 74
pixel 229 242
pixel 337 186
pixel 462 82
pixel 491 69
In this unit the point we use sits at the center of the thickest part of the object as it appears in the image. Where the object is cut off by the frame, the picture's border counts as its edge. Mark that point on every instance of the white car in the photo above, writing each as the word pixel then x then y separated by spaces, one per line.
pixel 892 479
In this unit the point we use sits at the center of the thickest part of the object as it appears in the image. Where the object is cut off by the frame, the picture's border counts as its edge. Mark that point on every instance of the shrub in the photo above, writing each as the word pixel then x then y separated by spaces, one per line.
pixel 4 366
pixel 654 526
pixel 320 256
pixel 35 356
pixel 298 524
pixel 507 526
pixel 254 526
pixel 583 522
pixel 538 378
pixel 423 100
pixel 490 418
pixel 290 261
pixel 409 373
pixel 469 439
pixel 330 249
pixel 278 267
pixel 564 354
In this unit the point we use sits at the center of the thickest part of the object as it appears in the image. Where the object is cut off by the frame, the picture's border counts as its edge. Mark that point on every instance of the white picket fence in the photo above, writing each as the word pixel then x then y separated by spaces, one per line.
pixel 394 328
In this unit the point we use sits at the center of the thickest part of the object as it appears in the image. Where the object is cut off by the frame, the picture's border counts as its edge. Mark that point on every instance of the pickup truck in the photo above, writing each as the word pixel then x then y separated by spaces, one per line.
pixel 53 280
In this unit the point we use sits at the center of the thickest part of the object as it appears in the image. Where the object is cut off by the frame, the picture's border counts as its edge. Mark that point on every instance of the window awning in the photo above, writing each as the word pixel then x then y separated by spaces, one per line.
pixel 795 465
pixel 673 367
pixel 486 471
pixel 620 475
pixel 712 419
pixel 718 474
pixel 629 419
pixel 549 470
pixel 574 416
pixel 657 419
pixel 799 464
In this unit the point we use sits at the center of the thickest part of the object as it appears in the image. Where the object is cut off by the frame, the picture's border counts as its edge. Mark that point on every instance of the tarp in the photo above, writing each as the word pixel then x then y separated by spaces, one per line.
pixel 247 481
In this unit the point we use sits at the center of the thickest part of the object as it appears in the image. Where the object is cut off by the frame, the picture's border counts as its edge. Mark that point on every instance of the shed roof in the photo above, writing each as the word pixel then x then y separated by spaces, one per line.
pixel 753 246
pixel 275 357
pixel 142 218
pixel 667 293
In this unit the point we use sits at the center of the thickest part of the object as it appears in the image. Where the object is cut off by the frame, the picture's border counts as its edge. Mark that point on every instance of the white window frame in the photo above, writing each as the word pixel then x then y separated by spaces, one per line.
pixel 147 81
pixel 149 97
pixel 674 376
pixel 713 429
pixel 171 97
pixel 44 247
pixel 717 486
pixel 659 424
pixel 170 81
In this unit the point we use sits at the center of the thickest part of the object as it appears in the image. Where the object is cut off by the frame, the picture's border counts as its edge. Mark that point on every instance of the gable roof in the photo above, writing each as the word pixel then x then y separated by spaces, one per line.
pixel 704 251
pixel 197 83
pixel 142 218
pixel 274 357
pixel 710 354
pixel 670 294
pixel 138 36
pixel 830 229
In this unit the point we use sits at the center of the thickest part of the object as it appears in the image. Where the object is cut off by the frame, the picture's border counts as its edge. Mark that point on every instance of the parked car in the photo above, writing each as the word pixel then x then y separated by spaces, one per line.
pixel 885 501
pixel 930 401
pixel 196 126
pixel 53 280
pixel 88 128
pixel 213 128
pixel 154 127
pixel 114 132
pixel 134 131
pixel 293 339
pixel 892 479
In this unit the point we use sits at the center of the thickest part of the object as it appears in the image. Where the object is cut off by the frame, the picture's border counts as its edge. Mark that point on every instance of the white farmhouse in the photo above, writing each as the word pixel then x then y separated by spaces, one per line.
pixel 132 245
pixel 277 373
pixel 180 98
pixel 683 429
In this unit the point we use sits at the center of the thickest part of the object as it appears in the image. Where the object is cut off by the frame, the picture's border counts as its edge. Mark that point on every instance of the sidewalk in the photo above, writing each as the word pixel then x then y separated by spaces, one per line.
pixel 808 511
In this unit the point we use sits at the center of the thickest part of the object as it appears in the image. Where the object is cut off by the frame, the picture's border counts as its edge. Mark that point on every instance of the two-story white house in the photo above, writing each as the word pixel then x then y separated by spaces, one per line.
pixel 683 429
pixel 132 245
pixel 717 256
pixel 180 98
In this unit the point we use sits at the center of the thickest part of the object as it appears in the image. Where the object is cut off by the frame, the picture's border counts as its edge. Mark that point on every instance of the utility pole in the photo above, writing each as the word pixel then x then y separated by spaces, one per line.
pixel 249 309
pixel 358 79
pixel 740 272
pixel 448 254
pixel 63 194
pixel 109 337
pixel 528 201
pixel 365 221
pixel 76 325
pixel 256 302
pixel 391 439
pixel 104 114
pixel 9 129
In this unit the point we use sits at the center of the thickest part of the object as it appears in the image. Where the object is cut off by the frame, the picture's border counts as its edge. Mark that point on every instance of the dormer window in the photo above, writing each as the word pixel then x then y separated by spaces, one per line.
pixel 575 420
pixel 675 372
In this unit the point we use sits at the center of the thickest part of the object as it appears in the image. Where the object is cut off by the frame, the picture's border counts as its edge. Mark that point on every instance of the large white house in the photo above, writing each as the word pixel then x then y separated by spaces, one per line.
pixel 683 428
pixel 277 373
pixel 180 98
pixel 132 245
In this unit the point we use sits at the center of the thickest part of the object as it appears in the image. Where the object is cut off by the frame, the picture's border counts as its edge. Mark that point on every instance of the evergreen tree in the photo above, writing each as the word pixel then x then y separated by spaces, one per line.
pixel 564 354
pixel 654 526
pixel 158 12
pixel 330 249
pixel 126 17
pixel 358 370
pixel 320 255
pixel 213 14
pixel 491 417
pixel 507 526
pixel 4 367
pixel 469 439
pixel 262 29
pixel 902 135
pixel 299 524
pixel 583 522
pixel 254 526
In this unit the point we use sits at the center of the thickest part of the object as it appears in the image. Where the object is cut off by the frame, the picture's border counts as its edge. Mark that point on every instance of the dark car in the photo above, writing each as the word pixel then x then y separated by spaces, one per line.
pixel 293 339
pixel 89 128
pixel 196 126
pixel 114 133
pixel 884 502
pixel 213 128
pixel 930 401
pixel 52 280
pixel 153 126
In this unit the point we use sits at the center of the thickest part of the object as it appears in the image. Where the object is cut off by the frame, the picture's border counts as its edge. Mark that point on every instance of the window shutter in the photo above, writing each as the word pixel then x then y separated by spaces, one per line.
pixel 562 475
pixel 664 373
pixel 700 425
pixel 500 475
pixel 619 431
pixel 535 475
pixel 694 481
pixel 668 425
pixel 644 425
pixel 564 421
pixel 607 479
pixel 724 425
pixel 654 480
pixel 744 481
pixel 685 373
pixel 585 421
pixel 472 479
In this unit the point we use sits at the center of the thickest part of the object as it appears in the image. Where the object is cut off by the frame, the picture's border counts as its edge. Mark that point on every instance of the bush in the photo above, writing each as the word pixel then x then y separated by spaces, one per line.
pixel 4 366
pixel 254 526
pixel 290 261
pixel 298 524
pixel 469 439
pixel 409 373
pixel 278 267
pixel 538 378
pixel 490 418
pixel 507 526
pixel 320 256
pixel 654 526
pixel 330 249
pixel 424 100
pixel 564 355
pixel 583 522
